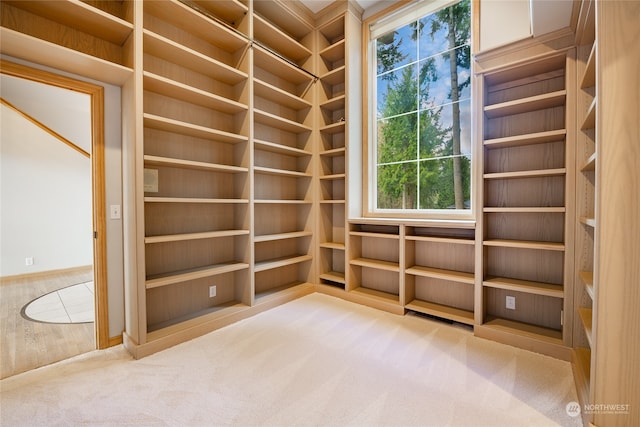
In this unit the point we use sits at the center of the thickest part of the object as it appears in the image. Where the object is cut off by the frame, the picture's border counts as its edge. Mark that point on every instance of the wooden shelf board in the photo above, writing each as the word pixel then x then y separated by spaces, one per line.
pixel 376 263
pixel 188 129
pixel 333 128
pixel 384 297
pixel 334 52
pixel 335 76
pixel 177 13
pixel 279 148
pixel 282 236
pixel 333 201
pixel 589 121
pixel 551 336
pixel 589 75
pixel 376 235
pixel 194 236
pixel 334 104
pixel 192 274
pixel 334 152
pixel 333 31
pixel 525 71
pixel 190 164
pixel 173 89
pixel 583 360
pixel 176 53
pixel 587 279
pixel 193 200
pixel 333 177
pixel 282 97
pixel 333 245
pixel 278 122
pixel 589 164
pixel 80 16
pixel 438 273
pixel 438 239
pixel 526 286
pixel 40 51
pixel 279 67
pixel 280 262
pixel 444 311
pixel 333 276
pixel 275 38
pixel 525 105
pixel 586 317
pixel 588 221
pixel 532 209
pixel 525 244
pixel 282 202
pixel 280 172
pixel 527 139
pixel 175 326
pixel 526 174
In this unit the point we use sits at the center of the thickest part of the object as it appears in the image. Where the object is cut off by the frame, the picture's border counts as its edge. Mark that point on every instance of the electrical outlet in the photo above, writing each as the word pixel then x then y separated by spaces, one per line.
pixel 212 291
pixel 511 302
pixel 28 260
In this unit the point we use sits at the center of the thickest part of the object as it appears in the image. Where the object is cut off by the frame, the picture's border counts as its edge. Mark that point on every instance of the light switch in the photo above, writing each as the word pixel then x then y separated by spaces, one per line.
pixel 115 211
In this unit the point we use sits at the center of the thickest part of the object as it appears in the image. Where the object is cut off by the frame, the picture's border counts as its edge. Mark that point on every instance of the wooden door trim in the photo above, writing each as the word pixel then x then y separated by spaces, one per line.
pixel 96 95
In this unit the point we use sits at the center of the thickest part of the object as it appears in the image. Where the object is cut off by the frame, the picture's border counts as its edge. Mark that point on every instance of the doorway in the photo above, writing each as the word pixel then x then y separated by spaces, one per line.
pixel 98 274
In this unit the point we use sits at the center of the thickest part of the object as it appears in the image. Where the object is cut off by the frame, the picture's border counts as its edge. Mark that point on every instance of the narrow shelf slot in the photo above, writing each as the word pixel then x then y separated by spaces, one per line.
pixel 376 263
pixel 589 75
pixel 588 221
pixel 333 128
pixel 282 236
pixel 590 118
pixel 275 38
pixel 192 274
pixel 524 329
pixel 537 288
pixel 280 149
pixel 384 297
pixel 280 172
pixel 280 262
pixel 375 235
pixel 335 76
pixel 439 273
pixel 525 244
pixel 525 105
pixel 589 164
pixel 190 164
pixel 273 93
pixel 183 128
pixel 437 239
pixel 277 122
pixel 587 279
pixel 526 174
pixel 334 276
pixel 333 245
pixel 444 311
pixel 279 67
pixel 335 152
pixel 194 236
pixel 334 52
pixel 526 139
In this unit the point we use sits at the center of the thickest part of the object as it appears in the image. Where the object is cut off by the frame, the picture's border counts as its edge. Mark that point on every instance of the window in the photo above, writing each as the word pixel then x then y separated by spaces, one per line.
pixel 420 113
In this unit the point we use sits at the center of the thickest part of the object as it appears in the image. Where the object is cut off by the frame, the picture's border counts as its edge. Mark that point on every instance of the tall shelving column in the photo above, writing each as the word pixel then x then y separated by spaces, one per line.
pixel 195 83
pixel 282 149
pixel 332 152
pixel 585 220
pixel 524 211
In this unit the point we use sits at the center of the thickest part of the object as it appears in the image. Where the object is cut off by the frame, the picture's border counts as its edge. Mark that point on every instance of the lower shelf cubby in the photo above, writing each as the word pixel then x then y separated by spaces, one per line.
pixel 332 264
pixel 190 301
pixel 440 297
pixel 533 315
pixel 276 276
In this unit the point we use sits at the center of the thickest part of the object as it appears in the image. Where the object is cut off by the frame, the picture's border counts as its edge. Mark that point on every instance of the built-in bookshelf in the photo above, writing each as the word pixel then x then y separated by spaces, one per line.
pixel 527 158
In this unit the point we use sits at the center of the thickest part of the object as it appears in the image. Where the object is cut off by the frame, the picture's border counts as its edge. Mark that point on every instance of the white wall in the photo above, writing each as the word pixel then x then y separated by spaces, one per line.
pixel 113 194
pixel 45 199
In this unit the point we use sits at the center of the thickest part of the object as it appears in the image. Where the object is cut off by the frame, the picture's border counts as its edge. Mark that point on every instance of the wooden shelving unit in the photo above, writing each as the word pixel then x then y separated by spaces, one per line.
pixel 585 220
pixel 282 150
pixel 196 142
pixel 527 157
pixel 440 275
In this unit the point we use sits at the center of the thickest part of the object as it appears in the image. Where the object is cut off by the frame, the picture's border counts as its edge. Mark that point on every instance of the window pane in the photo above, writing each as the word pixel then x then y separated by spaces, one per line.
pixel 398 138
pixel 397 92
pixel 437 137
pixel 397 186
pixel 396 48
pixel 437 183
pixel 434 29
pixel 436 76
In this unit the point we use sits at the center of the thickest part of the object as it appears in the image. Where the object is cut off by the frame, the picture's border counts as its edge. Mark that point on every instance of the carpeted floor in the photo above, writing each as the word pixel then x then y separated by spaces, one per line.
pixel 314 361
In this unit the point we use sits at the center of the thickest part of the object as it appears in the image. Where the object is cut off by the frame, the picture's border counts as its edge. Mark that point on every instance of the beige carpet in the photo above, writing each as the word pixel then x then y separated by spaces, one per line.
pixel 314 361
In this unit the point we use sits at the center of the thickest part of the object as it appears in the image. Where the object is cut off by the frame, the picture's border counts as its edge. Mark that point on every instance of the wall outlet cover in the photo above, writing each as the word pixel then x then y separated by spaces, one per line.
pixel 511 302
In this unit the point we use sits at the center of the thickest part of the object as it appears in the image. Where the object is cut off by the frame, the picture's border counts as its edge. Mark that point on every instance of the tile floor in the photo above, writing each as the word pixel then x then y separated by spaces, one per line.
pixel 73 304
